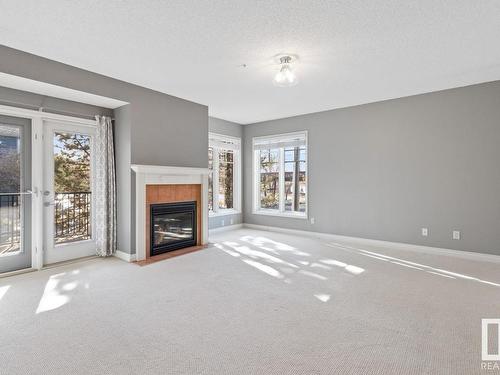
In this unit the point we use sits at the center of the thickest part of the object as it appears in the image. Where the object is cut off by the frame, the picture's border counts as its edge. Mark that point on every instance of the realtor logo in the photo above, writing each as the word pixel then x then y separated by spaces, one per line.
pixel 490 334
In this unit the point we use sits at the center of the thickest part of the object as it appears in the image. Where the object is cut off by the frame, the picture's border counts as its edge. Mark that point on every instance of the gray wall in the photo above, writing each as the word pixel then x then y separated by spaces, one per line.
pixel 381 170
pixel 385 170
pixel 161 129
pixel 163 126
pixel 232 129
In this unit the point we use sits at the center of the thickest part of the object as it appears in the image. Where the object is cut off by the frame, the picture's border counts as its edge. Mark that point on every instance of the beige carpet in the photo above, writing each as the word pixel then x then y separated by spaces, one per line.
pixel 254 303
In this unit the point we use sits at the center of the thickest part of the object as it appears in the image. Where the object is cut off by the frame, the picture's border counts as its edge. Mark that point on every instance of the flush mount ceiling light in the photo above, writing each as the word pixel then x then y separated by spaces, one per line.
pixel 286 76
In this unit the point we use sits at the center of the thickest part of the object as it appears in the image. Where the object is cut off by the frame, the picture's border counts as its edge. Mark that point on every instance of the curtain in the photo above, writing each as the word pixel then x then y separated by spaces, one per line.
pixel 105 188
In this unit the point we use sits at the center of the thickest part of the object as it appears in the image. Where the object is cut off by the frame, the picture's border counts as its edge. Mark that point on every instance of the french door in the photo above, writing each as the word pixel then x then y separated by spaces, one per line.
pixel 15 193
pixel 47 166
pixel 68 202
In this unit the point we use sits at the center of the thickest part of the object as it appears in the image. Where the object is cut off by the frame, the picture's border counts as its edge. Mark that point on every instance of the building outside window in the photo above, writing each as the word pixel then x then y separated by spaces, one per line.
pixel 280 175
pixel 224 179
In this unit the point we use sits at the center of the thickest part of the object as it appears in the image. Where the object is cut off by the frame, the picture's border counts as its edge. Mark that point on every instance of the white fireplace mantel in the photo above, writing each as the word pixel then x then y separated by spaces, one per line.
pixel 158 175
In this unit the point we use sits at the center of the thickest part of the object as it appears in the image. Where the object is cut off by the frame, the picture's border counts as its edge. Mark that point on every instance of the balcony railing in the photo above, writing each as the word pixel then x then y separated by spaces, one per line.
pixel 10 224
pixel 72 216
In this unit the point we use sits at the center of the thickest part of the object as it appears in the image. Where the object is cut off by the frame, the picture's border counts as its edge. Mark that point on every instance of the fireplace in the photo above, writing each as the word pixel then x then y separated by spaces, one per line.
pixel 173 226
pixel 163 184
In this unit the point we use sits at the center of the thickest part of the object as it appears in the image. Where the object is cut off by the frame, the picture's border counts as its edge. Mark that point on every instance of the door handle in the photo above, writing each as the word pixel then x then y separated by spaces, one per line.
pixel 48 204
pixel 46 193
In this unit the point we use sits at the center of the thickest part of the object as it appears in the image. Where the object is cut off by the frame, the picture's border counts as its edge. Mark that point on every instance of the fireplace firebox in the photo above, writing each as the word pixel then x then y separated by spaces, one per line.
pixel 173 226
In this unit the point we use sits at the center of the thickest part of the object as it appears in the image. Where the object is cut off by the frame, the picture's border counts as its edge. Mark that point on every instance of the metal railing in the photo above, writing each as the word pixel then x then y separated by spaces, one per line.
pixel 72 216
pixel 72 219
pixel 10 223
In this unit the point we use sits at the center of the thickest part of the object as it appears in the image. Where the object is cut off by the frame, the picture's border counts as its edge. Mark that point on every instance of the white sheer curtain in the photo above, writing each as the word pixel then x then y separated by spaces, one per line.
pixel 105 188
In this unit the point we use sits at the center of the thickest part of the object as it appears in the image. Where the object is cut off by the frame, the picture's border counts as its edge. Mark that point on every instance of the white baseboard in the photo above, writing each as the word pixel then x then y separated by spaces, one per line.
pixel 124 256
pixel 226 228
pixel 365 241
pixel 355 240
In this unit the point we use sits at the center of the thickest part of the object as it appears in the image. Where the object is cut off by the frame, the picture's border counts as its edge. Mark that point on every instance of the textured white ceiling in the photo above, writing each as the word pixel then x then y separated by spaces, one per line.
pixel 351 51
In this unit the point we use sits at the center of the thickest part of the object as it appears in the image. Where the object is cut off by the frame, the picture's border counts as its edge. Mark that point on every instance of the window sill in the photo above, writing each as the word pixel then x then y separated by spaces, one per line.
pixel 290 215
pixel 225 212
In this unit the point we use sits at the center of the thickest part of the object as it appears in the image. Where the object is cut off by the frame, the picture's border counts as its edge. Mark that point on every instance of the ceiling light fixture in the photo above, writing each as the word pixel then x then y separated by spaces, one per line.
pixel 286 76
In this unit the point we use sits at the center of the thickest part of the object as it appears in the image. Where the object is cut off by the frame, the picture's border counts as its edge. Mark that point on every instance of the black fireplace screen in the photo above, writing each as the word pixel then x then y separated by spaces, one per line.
pixel 173 226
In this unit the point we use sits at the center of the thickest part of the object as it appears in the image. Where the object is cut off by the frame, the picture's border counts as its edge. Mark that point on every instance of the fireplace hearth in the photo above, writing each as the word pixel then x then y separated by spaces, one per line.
pixel 173 226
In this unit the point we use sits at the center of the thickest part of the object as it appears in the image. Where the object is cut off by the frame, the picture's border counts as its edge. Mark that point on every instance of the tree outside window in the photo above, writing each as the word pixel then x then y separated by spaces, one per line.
pixel 226 179
pixel 210 179
pixel 295 179
pixel 269 179
pixel 223 164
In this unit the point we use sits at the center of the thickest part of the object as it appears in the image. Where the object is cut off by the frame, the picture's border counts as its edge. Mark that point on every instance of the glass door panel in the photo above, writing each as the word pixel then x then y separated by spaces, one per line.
pixel 68 192
pixel 15 196
pixel 72 187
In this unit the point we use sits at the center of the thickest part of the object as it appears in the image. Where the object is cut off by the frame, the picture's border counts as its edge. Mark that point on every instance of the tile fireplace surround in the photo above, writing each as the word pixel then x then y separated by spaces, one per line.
pixel 155 177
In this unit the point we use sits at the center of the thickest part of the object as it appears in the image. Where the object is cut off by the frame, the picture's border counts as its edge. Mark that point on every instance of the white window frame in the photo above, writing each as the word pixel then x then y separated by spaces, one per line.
pixel 257 210
pixel 220 142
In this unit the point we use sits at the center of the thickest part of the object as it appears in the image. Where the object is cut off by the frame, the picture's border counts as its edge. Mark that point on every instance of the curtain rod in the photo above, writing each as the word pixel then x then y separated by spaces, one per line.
pixel 49 110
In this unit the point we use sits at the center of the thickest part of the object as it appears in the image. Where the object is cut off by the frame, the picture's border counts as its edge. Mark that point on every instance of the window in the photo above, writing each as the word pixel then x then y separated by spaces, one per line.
pixel 224 191
pixel 280 175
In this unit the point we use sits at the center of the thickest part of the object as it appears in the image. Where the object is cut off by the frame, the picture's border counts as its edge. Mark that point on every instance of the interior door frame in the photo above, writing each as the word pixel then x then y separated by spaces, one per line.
pixel 78 249
pixel 37 178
